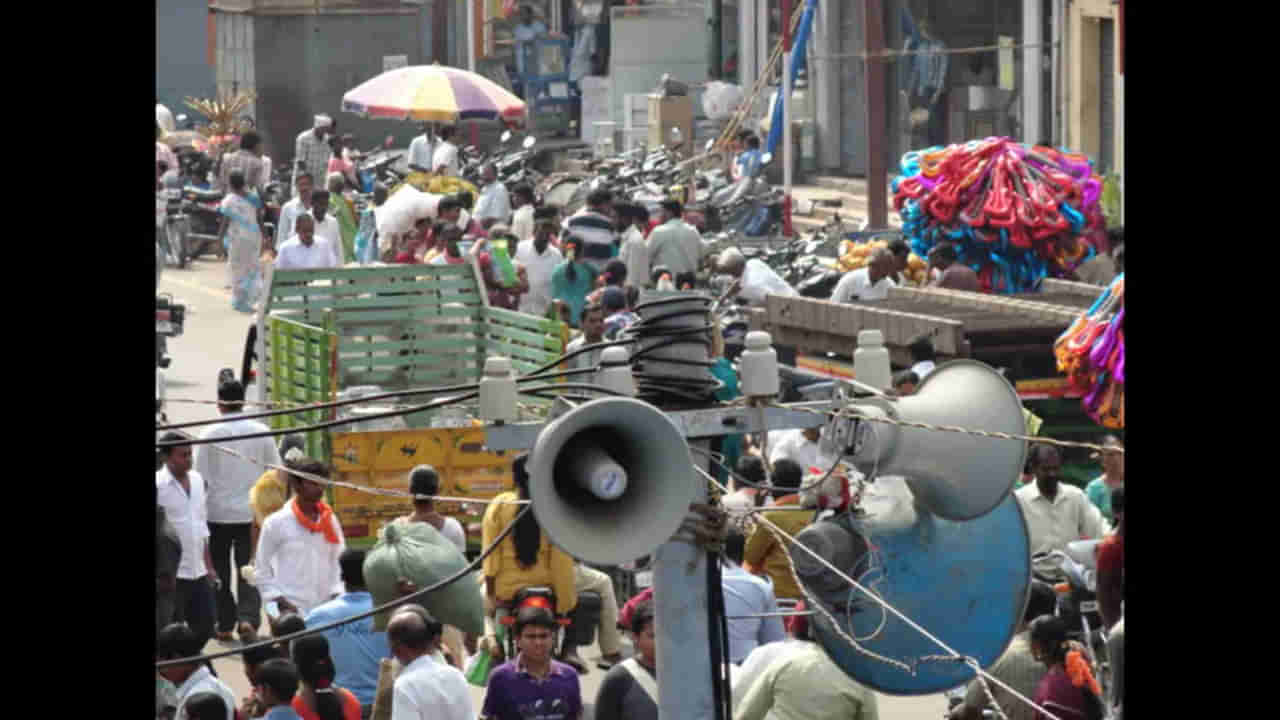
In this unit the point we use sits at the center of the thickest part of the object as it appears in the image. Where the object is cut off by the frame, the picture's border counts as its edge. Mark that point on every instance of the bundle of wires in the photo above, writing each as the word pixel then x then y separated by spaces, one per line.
pixel 671 361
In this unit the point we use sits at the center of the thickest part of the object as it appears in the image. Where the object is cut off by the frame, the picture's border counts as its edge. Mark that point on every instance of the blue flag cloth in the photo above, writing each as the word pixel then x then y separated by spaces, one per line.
pixel 798 61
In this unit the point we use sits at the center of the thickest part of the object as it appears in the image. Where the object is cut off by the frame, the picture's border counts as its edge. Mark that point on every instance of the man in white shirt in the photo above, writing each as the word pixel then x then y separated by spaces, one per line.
pixel 295 208
pixel 745 594
pixel 867 284
pixel 494 201
pixel 540 259
pixel 676 244
pixel 298 549
pixel 179 641
pixel 422 150
pixel 800 446
pixel 634 253
pixel 923 356
pixel 426 688
pixel 522 218
pixel 304 251
pixel 1056 513
pixel 327 225
pixel 181 492
pixel 592 322
pixel 229 478
pixel 445 159
pixel 753 279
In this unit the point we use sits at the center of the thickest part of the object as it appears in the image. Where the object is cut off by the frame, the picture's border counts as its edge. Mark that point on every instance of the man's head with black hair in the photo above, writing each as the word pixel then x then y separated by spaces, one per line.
pixel 424 480
pixel 752 469
pixel 787 477
pixel 753 142
pixel 177 640
pixel 250 141
pixel 901 252
pixel 254 657
pixel 176 457
pixel 600 200
pixel 943 256
pixel 278 682
pixel 522 194
pixel 446 132
pixel 448 209
pixel 735 545
pixel 921 348
pixel 206 706
pixel 672 208
pixel 351 565
pixel 230 396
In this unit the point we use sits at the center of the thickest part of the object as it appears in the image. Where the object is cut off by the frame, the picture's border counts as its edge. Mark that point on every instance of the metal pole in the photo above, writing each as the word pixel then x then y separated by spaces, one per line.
pixel 717 40
pixel 1032 71
pixel 683 636
pixel 787 149
pixel 471 35
pixel 877 170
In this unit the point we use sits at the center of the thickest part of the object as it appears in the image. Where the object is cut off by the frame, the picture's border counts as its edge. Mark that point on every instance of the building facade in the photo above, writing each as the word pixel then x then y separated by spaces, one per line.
pixel 182 65
pixel 301 56
pixel 1034 70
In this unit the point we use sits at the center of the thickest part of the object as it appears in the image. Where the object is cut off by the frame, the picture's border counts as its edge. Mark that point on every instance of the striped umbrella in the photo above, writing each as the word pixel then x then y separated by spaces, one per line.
pixel 432 93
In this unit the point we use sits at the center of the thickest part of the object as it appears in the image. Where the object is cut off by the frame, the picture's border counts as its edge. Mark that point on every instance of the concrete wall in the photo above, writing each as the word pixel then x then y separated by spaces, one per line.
pixel 305 63
pixel 1083 103
pixel 182 65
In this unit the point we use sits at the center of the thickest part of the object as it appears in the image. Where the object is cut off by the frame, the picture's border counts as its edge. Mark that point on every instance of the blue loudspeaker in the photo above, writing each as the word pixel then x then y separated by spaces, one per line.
pixel 965 582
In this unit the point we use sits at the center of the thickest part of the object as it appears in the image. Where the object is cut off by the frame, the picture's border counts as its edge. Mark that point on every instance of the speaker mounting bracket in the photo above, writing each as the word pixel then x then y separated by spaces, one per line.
pixel 703 423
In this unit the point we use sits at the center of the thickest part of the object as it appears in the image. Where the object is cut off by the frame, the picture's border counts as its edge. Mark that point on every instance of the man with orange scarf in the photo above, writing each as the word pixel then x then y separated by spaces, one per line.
pixel 298 548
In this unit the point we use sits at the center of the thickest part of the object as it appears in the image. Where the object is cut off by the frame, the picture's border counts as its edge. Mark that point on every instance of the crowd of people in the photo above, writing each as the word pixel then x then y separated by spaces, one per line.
pixel 220 515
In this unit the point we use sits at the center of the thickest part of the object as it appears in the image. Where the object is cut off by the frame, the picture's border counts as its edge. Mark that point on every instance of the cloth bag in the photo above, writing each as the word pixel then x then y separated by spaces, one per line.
pixel 418 552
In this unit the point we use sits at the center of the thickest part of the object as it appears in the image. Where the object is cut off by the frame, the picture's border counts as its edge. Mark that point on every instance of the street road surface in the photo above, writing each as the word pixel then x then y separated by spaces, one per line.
pixel 214 339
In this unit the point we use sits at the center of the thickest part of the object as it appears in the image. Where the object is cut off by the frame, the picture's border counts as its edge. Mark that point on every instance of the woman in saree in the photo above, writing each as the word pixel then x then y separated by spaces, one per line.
pixel 240 231
pixel 345 211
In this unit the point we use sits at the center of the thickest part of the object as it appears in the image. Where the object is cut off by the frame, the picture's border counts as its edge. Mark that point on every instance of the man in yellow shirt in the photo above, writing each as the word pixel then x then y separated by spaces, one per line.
pixel 526 558
pixel 765 553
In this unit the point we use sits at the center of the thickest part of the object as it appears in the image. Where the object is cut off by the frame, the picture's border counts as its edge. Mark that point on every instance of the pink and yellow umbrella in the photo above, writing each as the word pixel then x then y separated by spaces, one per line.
pixel 432 93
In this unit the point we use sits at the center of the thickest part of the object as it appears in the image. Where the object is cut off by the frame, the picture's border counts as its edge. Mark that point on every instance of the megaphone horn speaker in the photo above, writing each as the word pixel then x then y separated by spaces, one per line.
pixel 611 480
pixel 957 476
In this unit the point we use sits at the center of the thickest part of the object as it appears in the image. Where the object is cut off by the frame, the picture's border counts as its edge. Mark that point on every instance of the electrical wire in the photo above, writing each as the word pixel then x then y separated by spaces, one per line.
pixel 584 349
pixel 571 386
pixel 365 399
pixel 324 425
pixel 470 567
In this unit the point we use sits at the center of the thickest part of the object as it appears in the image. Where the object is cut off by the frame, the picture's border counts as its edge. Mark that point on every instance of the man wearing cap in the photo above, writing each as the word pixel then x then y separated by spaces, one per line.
pixel 229 479
pixel 312 150
pixel 539 258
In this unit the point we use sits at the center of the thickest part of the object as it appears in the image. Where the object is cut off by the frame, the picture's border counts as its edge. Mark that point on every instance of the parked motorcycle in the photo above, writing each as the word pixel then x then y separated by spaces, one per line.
pixel 578 627
pixel 1076 585
pixel 170 317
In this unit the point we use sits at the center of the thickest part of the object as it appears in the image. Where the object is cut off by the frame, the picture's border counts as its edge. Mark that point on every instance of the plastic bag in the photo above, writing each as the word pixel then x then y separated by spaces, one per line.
pixel 482 663
pixel 403 208
pixel 418 552
pixel 720 99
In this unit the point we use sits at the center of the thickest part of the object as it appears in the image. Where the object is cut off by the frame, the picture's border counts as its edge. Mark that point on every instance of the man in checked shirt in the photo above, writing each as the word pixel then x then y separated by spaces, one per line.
pixel 248 161
pixel 312 150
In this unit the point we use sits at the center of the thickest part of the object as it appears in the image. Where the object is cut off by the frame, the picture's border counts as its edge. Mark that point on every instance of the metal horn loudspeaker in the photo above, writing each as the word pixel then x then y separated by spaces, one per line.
pixel 611 480
pixel 965 582
pixel 954 475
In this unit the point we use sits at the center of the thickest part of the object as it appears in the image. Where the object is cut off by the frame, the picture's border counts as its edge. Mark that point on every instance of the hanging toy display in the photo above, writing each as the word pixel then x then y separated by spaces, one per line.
pixel 1015 213
pixel 1091 353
